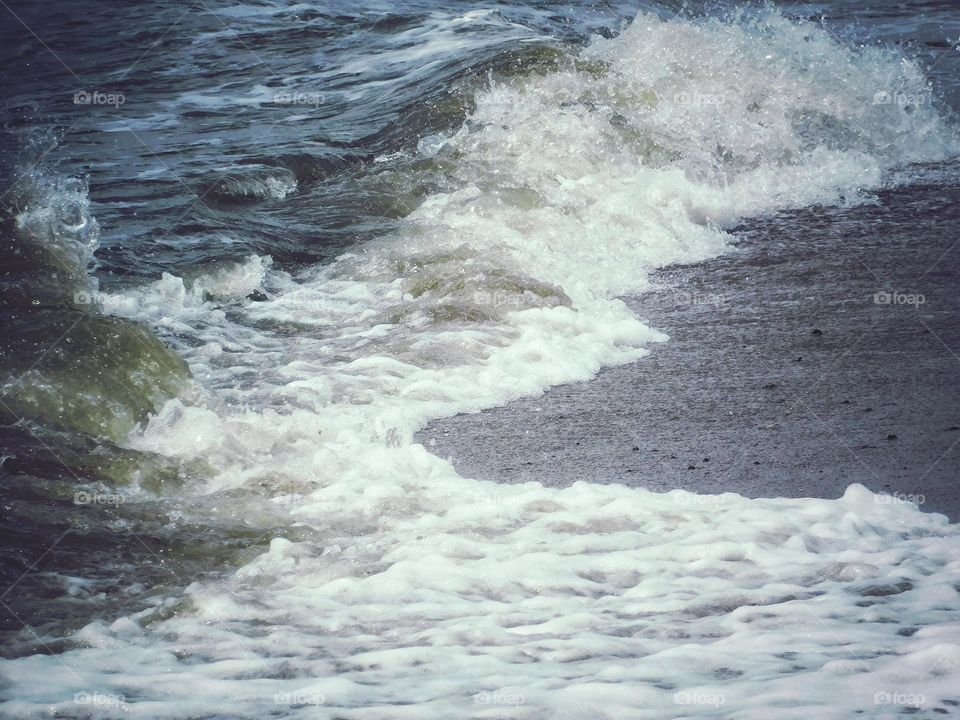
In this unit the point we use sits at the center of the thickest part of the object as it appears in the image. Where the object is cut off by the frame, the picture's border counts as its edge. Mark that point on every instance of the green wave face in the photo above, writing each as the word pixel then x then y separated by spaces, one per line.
pixel 97 375
pixel 62 362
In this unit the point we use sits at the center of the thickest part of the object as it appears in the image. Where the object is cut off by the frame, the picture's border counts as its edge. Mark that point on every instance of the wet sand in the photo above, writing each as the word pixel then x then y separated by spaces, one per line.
pixel 785 373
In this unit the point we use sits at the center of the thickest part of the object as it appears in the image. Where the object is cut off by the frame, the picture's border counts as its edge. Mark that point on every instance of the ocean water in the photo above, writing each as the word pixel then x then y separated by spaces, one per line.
pixel 251 249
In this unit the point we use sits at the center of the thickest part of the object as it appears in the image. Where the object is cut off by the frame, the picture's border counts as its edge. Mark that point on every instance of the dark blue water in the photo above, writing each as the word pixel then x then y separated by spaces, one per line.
pixel 219 89
pixel 223 89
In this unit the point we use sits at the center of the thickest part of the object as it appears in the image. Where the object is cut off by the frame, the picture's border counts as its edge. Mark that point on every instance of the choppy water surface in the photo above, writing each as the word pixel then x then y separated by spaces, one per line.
pixel 250 249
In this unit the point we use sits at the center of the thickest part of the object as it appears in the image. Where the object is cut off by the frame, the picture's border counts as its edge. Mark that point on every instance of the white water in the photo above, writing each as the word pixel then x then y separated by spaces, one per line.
pixel 418 593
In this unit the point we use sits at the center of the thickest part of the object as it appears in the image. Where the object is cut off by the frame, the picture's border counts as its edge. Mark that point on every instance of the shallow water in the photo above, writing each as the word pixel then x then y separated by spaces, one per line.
pixel 305 232
pixel 783 375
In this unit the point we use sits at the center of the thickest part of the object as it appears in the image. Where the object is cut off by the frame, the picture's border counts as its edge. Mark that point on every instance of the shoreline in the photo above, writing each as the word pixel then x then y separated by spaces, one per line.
pixel 822 352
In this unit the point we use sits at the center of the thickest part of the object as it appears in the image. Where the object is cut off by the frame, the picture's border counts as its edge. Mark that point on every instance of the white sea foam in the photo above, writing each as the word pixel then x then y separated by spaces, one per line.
pixel 415 593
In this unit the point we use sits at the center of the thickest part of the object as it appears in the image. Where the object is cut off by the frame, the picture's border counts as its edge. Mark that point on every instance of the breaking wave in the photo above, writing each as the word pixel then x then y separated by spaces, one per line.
pixel 413 592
